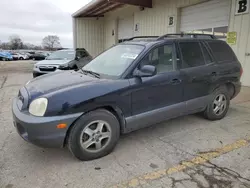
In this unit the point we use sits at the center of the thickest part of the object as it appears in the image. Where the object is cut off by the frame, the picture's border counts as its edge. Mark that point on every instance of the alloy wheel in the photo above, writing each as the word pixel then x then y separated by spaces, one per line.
pixel 95 136
pixel 219 104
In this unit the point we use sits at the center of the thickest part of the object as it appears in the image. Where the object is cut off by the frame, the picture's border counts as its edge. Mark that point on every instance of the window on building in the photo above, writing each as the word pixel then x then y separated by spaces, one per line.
pixel 161 58
pixel 222 52
pixel 221 32
pixel 191 54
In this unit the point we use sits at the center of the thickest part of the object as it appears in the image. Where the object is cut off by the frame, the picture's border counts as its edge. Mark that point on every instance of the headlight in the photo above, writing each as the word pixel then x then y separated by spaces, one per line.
pixel 38 107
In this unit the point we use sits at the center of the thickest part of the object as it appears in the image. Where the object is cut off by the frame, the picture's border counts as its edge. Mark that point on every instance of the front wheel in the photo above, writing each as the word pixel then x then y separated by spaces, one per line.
pixel 94 135
pixel 219 105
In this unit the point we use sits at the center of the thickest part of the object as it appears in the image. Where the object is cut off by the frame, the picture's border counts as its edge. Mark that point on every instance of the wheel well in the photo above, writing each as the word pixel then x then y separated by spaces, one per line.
pixel 229 87
pixel 115 112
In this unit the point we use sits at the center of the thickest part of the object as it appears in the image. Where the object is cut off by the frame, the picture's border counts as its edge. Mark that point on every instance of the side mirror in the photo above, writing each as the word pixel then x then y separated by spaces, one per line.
pixel 145 71
pixel 77 58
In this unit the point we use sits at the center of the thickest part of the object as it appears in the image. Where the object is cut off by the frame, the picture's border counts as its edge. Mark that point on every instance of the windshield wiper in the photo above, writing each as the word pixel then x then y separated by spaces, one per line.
pixel 92 73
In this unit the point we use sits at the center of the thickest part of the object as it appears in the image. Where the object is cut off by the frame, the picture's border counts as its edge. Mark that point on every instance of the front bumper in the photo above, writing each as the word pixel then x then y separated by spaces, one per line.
pixel 41 131
pixel 37 72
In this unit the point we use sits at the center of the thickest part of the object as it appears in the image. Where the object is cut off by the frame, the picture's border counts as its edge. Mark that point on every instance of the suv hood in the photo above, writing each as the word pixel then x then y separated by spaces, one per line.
pixel 53 62
pixel 56 81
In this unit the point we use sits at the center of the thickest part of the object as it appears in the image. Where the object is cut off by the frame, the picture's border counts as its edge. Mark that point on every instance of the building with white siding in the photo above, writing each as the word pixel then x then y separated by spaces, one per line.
pixel 104 23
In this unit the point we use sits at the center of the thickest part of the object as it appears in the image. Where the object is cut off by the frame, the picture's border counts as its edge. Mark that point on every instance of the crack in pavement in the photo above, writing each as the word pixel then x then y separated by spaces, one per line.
pixel 194 163
pixel 221 177
pixel 4 81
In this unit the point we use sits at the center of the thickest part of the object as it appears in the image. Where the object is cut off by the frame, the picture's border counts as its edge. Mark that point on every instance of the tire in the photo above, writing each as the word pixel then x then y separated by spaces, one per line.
pixel 78 140
pixel 213 113
pixel 35 75
pixel 21 58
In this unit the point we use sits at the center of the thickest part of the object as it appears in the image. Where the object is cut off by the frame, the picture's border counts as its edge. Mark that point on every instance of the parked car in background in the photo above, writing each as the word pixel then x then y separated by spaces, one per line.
pixel 128 87
pixel 15 56
pixel 39 55
pixel 21 56
pixel 5 56
pixel 30 54
pixel 62 60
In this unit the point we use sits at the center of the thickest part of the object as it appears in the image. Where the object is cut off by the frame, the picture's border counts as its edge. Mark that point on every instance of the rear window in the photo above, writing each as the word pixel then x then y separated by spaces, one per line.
pixel 221 51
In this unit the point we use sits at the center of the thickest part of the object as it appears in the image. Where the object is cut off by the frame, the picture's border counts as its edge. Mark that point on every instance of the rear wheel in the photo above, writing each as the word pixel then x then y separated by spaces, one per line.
pixel 21 58
pixel 94 135
pixel 218 106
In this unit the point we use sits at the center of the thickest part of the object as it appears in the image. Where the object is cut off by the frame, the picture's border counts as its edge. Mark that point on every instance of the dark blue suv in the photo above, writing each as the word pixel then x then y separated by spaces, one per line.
pixel 135 84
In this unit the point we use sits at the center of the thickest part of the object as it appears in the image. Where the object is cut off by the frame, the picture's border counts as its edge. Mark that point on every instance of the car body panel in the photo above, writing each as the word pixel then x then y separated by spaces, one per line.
pixel 146 95
pixel 158 115
pixel 84 88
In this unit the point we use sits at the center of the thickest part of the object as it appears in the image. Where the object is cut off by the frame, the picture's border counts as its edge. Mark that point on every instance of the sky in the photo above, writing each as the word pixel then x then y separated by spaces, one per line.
pixel 32 20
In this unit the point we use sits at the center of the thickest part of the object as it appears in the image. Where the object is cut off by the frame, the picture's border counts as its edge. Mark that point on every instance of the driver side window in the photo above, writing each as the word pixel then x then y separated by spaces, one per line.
pixel 160 57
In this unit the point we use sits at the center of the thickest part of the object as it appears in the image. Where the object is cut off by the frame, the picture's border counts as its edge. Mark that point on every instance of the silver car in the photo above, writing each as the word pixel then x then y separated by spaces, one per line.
pixel 62 60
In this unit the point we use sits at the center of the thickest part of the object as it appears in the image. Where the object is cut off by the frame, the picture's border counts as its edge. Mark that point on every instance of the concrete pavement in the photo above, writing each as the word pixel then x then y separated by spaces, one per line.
pixel 148 151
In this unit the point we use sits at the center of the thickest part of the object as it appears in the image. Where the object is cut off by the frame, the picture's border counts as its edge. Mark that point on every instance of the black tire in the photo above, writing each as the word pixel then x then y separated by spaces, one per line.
pixel 209 112
pixel 35 75
pixel 74 137
pixel 21 58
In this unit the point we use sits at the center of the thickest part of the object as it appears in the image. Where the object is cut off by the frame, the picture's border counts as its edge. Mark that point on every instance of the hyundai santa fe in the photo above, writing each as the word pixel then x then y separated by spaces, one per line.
pixel 132 85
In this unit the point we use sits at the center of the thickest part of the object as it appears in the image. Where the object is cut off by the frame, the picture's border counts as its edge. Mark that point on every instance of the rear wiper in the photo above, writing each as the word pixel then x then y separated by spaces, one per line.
pixel 92 73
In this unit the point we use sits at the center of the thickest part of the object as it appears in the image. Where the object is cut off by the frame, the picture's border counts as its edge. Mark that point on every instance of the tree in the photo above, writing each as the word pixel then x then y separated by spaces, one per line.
pixel 15 42
pixel 5 46
pixel 51 42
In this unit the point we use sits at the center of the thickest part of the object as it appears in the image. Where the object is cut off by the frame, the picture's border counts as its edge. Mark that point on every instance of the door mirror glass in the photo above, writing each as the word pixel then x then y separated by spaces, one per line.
pixel 145 71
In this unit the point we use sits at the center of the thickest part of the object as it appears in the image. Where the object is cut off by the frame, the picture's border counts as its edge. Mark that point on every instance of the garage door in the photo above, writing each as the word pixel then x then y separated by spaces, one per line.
pixel 125 28
pixel 211 17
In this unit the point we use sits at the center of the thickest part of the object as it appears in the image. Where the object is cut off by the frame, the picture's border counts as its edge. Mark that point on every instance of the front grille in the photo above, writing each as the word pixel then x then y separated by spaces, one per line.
pixel 47 69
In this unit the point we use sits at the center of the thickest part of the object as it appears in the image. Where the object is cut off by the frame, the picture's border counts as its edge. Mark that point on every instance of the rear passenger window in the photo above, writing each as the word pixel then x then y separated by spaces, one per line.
pixel 206 54
pixel 191 54
pixel 221 51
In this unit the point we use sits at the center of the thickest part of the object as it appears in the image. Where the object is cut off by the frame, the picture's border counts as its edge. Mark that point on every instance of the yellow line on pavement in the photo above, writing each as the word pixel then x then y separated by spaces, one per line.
pixel 200 159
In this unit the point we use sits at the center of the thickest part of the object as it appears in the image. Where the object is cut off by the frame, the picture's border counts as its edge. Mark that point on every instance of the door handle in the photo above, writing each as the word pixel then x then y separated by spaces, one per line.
pixel 175 81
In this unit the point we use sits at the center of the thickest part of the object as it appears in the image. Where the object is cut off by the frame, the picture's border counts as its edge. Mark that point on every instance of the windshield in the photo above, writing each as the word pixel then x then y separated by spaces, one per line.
pixel 114 61
pixel 61 55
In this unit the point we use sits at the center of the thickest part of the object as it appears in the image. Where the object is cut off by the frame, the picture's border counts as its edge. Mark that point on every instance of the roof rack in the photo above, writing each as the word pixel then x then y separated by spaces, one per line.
pixel 142 37
pixel 190 35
